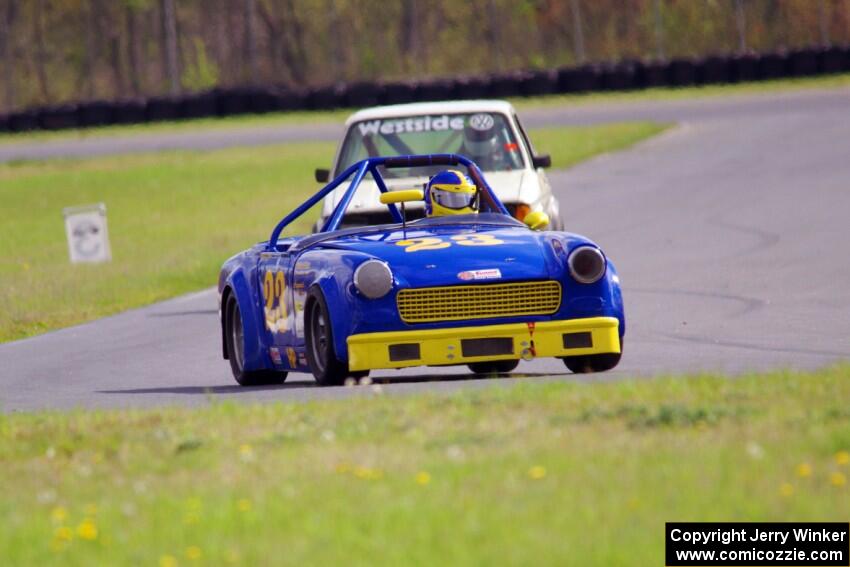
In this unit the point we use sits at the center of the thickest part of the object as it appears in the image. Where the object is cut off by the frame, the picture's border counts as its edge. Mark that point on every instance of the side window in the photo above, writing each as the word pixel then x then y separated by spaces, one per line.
pixel 525 137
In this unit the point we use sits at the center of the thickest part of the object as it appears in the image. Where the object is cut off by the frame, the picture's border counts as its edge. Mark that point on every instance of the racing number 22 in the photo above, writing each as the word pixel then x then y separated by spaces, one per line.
pixel 433 243
pixel 274 285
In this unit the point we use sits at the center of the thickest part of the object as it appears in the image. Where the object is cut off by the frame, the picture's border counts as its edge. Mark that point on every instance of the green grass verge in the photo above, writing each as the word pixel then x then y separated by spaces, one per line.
pixel 538 473
pixel 308 117
pixel 173 219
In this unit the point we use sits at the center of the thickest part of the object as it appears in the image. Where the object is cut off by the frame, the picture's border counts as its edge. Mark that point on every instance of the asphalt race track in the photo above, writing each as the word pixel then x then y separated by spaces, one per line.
pixel 697 109
pixel 730 234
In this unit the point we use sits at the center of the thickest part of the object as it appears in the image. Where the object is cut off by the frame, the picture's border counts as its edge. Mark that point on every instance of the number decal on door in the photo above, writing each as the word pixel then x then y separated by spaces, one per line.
pixel 274 288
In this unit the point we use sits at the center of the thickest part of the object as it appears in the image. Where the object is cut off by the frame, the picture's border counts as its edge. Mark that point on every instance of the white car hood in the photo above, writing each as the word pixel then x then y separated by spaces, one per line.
pixel 510 187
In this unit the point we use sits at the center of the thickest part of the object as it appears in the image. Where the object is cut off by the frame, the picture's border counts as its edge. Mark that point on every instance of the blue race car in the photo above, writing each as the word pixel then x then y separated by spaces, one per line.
pixel 479 288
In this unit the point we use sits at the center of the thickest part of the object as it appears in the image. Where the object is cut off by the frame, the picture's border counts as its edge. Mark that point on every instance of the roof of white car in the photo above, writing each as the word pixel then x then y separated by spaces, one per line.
pixel 419 108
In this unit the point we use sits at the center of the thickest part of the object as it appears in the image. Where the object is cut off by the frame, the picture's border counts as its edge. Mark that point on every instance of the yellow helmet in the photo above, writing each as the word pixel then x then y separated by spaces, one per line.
pixel 450 192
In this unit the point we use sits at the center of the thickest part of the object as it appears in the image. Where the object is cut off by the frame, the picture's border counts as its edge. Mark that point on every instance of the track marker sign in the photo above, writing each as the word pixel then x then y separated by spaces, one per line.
pixel 88 239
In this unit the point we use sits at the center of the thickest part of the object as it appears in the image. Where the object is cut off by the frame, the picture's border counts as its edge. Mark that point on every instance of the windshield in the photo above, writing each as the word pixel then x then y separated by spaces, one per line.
pixel 485 138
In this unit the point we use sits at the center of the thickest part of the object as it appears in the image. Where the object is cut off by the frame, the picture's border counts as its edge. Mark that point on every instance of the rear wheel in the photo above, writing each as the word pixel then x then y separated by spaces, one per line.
pixel 234 336
pixel 326 367
pixel 493 366
pixel 593 362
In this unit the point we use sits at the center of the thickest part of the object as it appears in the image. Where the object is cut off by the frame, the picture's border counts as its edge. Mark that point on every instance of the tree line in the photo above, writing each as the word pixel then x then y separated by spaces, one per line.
pixel 53 51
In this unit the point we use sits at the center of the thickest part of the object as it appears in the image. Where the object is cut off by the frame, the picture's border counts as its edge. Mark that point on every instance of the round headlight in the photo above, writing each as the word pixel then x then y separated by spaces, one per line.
pixel 587 264
pixel 373 279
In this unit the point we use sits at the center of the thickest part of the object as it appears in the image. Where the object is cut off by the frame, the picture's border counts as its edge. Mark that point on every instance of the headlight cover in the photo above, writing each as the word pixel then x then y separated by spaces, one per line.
pixel 373 279
pixel 587 264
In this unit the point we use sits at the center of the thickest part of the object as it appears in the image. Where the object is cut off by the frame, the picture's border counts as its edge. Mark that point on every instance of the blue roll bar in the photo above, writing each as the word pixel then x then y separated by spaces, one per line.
pixel 371 165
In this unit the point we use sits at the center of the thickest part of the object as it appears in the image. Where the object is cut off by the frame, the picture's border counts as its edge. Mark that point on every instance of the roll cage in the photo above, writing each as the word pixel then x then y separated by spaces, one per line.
pixel 489 201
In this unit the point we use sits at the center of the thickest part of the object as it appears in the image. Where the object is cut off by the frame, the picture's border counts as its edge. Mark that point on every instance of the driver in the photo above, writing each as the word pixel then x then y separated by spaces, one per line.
pixel 481 142
pixel 450 192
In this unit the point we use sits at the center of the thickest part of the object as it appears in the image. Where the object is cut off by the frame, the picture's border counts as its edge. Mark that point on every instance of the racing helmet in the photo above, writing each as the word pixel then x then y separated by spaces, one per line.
pixel 450 192
pixel 480 136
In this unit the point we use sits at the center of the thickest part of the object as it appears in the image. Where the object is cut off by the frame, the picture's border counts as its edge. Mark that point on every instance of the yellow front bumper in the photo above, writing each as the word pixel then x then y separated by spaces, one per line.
pixel 462 345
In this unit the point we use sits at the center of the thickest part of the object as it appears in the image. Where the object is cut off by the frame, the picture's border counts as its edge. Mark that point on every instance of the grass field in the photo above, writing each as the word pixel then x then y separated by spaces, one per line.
pixel 307 117
pixel 537 473
pixel 173 219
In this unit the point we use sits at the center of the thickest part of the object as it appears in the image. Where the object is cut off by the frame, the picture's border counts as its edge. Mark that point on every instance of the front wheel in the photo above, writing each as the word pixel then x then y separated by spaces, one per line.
pixel 493 366
pixel 234 336
pixel 593 362
pixel 326 367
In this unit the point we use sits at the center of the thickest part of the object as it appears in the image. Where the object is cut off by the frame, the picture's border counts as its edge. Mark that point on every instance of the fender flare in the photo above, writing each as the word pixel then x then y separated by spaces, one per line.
pixel 340 318
pixel 255 353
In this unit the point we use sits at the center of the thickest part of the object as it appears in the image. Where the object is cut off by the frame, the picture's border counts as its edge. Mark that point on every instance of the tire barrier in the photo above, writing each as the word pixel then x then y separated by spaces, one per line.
pixel 100 113
pixel 681 73
pixel 714 70
pixel 324 98
pixel 58 117
pixel 834 60
pixel 803 63
pixel 578 79
pixel 744 68
pixel 435 89
pixel 399 93
pixel 129 111
pixel 471 87
pixel 773 66
pixel 652 75
pixel 619 76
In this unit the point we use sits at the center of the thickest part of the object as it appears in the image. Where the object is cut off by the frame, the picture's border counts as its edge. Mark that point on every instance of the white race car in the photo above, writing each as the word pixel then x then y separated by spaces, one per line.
pixel 486 131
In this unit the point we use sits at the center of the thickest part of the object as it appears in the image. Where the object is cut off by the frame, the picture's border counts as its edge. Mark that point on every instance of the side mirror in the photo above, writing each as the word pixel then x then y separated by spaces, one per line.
pixel 543 160
pixel 402 196
pixel 323 175
pixel 536 220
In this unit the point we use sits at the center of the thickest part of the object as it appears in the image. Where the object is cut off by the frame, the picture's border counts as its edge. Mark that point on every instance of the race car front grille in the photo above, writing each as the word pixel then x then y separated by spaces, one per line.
pixel 482 301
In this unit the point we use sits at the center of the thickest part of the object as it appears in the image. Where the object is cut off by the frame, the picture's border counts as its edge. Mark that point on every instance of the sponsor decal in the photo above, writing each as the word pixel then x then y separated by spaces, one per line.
pixel 413 124
pixel 302 359
pixel 488 274
pixel 290 354
pixel 481 122
pixel 275 354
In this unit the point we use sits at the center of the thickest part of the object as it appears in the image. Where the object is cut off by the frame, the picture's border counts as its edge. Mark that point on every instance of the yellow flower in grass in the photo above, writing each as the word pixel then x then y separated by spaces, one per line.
pixel 423 478
pixel 58 515
pixel 536 472
pixel 786 490
pixel 804 470
pixel 837 479
pixel 193 553
pixel 87 530
pixel 368 474
pixel 167 561
pixel 244 505
pixel 63 533
pixel 842 458
pixel 246 453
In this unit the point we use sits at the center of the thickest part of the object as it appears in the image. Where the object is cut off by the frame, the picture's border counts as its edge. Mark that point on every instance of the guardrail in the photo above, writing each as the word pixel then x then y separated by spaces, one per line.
pixel 622 76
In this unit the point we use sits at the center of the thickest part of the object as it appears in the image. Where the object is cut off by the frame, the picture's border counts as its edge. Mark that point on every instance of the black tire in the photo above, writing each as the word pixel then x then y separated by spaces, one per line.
pixel 493 366
pixel 593 362
pixel 234 339
pixel 326 367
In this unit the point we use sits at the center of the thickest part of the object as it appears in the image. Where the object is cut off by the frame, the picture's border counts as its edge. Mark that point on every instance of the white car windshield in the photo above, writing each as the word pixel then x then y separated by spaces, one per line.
pixel 486 138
